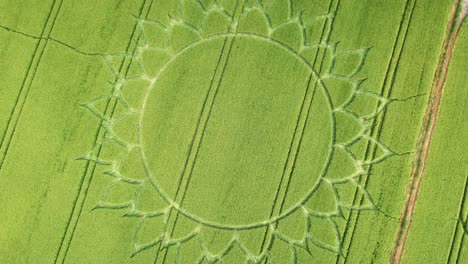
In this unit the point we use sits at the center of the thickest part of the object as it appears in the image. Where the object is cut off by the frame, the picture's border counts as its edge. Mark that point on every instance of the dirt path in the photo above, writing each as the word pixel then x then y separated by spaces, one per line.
pixel 427 129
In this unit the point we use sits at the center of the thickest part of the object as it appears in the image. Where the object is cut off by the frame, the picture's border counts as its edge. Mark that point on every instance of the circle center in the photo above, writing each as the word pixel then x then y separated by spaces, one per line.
pixel 236 130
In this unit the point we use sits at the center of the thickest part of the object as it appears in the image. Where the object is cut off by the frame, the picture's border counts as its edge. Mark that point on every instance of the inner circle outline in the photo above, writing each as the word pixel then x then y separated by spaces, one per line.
pixel 277 218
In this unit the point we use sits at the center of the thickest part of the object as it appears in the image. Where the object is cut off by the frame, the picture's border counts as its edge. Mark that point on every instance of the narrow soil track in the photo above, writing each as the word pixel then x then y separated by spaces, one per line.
pixel 427 129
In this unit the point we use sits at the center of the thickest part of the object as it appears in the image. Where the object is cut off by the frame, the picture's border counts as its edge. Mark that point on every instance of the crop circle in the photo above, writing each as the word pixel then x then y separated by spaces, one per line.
pixel 164 86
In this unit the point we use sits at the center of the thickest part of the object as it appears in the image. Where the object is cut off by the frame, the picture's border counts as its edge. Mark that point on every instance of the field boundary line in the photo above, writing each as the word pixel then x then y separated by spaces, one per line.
pixel 428 127
pixel 377 128
pixel 52 39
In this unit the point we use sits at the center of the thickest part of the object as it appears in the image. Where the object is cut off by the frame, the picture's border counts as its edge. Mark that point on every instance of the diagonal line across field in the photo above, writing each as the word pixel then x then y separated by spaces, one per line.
pixel 201 136
pixel 427 130
pixel 234 131
pixel 15 115
pixel 196 144
pixel 90 167
pixel 386 89
pixel 460 221
pixel 298 133
pixel 197 137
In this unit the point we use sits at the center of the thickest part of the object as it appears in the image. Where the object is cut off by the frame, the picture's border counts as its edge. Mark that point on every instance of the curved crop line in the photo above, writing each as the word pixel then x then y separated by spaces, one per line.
pixel 166 241
pixel 377 127
pixel 194 149
pixel 172 203
pixel 202 221
pixel 210 105
pixel 71 227
pixel 330 103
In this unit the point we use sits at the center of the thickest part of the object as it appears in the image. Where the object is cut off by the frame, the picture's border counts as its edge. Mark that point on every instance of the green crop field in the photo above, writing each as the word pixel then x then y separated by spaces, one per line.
pixel 233 131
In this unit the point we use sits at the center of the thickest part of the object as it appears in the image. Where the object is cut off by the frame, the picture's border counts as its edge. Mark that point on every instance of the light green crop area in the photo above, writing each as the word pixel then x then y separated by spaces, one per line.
pixel 229 131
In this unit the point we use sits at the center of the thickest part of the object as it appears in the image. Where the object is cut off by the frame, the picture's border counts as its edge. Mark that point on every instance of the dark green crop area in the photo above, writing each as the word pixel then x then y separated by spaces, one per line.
pixel 231 131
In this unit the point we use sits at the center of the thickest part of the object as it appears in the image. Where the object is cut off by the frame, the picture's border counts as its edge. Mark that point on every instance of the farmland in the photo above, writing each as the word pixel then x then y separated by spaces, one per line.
pixel 233 131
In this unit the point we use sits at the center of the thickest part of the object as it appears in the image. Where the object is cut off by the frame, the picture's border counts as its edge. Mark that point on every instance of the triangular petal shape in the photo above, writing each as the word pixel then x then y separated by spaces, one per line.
pixel 349 62
pixel 136 70
pixel 118 195
pixel 279 11
pixel 340 91
pixel 149 232
pixel 216 22
pixel 182 35
pixel 153 59
pixel 318 56
pixel 233 254
pixel 367 105
pixel 254 20
pixel 98 106
pixel 134 91
pixel 131 166
pixel 154 33
pixel 289 34
pixel 149 202
pixel 189 251
pixel 293 227
pixel 229 6
pixel 317 29
pixel 323 201
pixel 111 148
pixel 343 164
pixel 354 196
pixel 216 241
pixel 324 233
pixel 282 252
pixel 379 150
pixel 192 11
pixel 348 127
pixel 115 62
